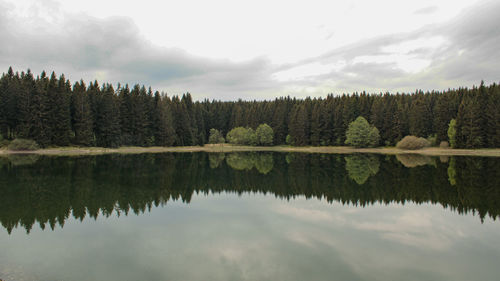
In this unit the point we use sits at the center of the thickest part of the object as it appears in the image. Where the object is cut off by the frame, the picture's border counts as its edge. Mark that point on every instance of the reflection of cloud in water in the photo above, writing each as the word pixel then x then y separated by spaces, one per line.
pixel 309 214
pixel 418 228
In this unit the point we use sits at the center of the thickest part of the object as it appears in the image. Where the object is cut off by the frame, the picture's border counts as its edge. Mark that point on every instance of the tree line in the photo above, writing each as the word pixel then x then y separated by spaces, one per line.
pixel 54 112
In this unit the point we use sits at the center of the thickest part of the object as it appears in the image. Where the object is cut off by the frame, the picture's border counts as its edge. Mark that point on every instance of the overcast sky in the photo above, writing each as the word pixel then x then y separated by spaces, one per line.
pixel 228 49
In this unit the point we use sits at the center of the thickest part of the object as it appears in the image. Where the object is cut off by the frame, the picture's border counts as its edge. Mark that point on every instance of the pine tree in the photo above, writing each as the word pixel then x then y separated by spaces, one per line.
pixel 492 115
pixel 316 125
pixel 24 105
pixel 126 118
pixel 81 115
pixel 61 113
pixel 298 125
pixel 469 133
pixel 446 109
pixel 164 134
pixel 40 112
pixel 279 121
pixel 420 117
pixel 108 119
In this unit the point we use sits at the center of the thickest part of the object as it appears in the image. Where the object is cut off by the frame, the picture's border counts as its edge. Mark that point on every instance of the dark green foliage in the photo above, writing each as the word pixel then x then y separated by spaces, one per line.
pixel 49 111
pixel 469 123
pixel 298 125
pixel 362 134
pixel 162 123
pixel 23 144
pixel 81 115
pixel 420 116
pixel 492 115
pixel 108 118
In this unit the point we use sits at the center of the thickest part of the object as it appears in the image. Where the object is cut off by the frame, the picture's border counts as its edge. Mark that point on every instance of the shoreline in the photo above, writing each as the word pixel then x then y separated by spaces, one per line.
pixel 431 151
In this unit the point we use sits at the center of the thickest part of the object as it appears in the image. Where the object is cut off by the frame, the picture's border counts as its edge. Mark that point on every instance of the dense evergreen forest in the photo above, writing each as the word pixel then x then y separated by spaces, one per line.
pixel 54 112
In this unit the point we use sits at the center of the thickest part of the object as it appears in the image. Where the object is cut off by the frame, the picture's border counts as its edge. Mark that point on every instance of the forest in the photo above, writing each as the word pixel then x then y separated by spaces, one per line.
pixel 54 112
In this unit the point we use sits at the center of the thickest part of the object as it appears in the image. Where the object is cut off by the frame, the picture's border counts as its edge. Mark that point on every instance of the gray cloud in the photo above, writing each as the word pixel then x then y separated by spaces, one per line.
pixel 113 50
pixel 470 54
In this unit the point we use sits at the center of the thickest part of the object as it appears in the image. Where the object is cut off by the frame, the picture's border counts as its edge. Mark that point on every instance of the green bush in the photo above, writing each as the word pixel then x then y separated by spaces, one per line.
pixel 361 134
pixel 23 144
pixel 432 139
pixel 452 132
pixel 412 143
pixel 242 136
pixel 444 144
pixel 215 137
pixel 264 134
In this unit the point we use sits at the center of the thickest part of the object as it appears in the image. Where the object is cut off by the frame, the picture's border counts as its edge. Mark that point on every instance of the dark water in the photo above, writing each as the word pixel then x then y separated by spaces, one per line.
pixel 249 216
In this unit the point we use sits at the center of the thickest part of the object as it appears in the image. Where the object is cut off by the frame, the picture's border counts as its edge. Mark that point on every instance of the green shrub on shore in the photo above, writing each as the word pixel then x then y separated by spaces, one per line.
pixel 412 143
pixel 361 134
pixel 444 144
pixel 23 145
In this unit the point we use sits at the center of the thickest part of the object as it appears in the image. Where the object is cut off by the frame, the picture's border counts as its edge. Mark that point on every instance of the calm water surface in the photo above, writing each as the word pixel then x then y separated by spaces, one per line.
pixel 249 216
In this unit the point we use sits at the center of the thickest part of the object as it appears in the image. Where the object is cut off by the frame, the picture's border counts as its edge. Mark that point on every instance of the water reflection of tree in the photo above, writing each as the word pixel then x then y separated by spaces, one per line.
pixel 215 159
pixel 23 159
pixel 54 188
pixel 361 166
pixel 415 160
pixel 263 162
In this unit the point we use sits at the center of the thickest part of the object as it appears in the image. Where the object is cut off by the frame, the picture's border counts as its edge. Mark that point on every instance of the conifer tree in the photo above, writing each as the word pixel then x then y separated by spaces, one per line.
pixel 81 115
pixel 24 105
pixel 108 119
pixel 298 125
pixel 469 133
pixel 40 110
pixel 61 113
pixel 492 116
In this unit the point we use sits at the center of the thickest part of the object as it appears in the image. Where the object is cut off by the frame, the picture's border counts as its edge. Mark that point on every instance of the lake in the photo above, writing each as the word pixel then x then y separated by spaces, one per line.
pixel 249 216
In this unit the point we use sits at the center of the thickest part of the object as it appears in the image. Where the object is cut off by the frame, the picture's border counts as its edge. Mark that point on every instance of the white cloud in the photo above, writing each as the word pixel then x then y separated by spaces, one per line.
pixel 259 49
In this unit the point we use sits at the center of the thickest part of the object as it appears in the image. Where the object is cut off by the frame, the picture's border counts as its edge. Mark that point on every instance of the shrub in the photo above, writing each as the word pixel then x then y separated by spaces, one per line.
pixel 444 144
pixel 361 134
pixel 452 132
pixel 23 144
pixel 264 134
pixel 242 136
pixel 432 139
pixel 412 143
pixel 215 137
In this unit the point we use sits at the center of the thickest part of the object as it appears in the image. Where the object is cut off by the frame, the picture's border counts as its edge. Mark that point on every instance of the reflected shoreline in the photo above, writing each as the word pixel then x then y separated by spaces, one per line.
pixel 47 190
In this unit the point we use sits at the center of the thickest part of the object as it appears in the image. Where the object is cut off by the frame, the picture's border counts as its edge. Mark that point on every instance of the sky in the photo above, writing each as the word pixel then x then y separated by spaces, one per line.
pixel 231 49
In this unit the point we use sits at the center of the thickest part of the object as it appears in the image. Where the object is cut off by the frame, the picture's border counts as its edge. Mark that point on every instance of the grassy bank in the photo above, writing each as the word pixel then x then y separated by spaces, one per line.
pixel 431 151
